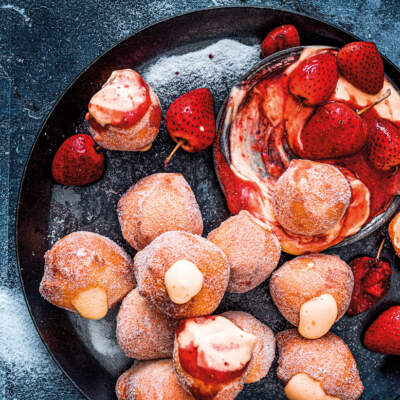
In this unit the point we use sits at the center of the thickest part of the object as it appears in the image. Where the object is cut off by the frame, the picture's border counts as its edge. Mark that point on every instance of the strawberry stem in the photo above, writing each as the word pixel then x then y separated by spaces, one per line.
pixel 380 249
pixel 384 97
pixel 97 149
pixel 179 144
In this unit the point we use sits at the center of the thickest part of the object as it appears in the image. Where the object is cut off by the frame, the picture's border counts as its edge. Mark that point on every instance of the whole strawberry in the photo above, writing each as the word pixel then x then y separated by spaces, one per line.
pixel 371 282
pixel 334 130
pixel 281 38
pixel 78 161
pixel 361 64
pixel 314 80
pixel 384 144
pixel 383 336
pixel 190 121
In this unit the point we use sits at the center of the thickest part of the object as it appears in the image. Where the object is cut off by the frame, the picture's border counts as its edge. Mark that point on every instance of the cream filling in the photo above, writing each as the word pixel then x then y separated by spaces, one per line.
pixel 317 316
pixel 220 344
pixel 123 92
pixel 303 387
pixel 183 281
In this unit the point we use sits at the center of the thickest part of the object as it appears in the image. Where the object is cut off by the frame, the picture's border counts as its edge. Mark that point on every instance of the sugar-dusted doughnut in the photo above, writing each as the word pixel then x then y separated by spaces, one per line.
pixel 87 273
pixel 264 351
pixel 253 252
pixel 150 380
pixel 156 204
pixel 323 368
pixel 212 356
pixel 310 198
pixel 182 274
pixel 312 292
pixel 125 114
pixel 142 331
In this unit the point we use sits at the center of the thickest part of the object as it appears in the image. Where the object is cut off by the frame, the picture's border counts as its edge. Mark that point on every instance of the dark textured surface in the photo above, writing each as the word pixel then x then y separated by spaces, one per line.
pixel 43 47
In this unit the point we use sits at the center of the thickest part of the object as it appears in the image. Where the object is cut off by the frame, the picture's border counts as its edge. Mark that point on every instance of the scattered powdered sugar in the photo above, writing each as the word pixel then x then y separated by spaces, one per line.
pixel 216 67
pixel 20 344
pixel 102 336
pixel 100 339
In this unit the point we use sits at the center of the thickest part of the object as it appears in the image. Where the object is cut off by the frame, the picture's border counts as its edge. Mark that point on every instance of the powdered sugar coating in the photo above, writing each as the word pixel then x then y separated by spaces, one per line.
pixel 134 138
pixel 150 380
pixel 252 251
pixel 153 261
pixel 156 204
pixel 143 332
pixel 83 260
pixel 310 198
pixel 327 360
pixel 205 390
pixel 264 352
pixel 305 277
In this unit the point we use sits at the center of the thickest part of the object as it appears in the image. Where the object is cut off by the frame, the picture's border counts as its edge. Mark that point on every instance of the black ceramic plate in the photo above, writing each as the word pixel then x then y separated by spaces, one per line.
pixel 46 211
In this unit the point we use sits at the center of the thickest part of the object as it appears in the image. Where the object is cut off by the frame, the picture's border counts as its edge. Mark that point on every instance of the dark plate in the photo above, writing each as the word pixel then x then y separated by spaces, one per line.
pixel 46 211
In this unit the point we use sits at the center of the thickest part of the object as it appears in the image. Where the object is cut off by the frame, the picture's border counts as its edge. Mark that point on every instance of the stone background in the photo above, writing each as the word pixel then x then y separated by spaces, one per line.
pixel 44 44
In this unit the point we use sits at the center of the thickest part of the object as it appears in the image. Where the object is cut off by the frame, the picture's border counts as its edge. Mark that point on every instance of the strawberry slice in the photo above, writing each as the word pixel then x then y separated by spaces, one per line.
pixel 361 64
pixel 314 80
pixel 190 121
pixel 281 38
pixel 383 336
pixel 384 144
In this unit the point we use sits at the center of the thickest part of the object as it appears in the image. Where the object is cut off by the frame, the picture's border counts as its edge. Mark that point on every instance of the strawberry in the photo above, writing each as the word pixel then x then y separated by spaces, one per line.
pixel 314 79
pixel 383 336
pixel 371 282
pixel 190 121
pixel 384 144
pixel 334 130
pixel 78 161
pixel 280 38
pixel 361 64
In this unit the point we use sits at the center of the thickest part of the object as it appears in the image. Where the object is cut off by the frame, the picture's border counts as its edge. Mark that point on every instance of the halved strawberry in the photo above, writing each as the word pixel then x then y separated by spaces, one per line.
pixel 190 121
pixel 314 79
pixel 361 64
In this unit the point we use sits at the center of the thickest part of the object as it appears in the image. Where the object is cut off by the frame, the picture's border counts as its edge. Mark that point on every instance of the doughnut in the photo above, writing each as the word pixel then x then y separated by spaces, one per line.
pixel 86 273
pixel 322 369
pixel 182 274
pixel 212 356
pixel 252 251
pixel 156 204
pixel 394 233
pixel 150 380
pixel 312 292
pixel 143 332
pixel 125 114
pixel 310 198
pixel 264 351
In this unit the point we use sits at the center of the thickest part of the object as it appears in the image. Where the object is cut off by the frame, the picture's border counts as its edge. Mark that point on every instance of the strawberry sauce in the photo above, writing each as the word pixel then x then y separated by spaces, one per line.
pixel 382 185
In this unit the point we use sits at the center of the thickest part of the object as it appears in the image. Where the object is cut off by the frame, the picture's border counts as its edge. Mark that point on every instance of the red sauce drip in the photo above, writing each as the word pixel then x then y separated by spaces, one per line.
pixel 188 357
